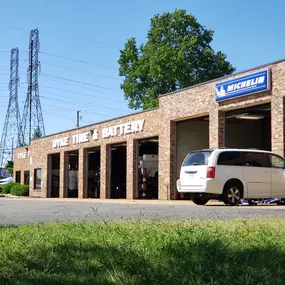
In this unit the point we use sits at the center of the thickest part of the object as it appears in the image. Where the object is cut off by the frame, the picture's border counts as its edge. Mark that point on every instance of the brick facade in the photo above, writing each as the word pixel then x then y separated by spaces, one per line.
pixel 189 103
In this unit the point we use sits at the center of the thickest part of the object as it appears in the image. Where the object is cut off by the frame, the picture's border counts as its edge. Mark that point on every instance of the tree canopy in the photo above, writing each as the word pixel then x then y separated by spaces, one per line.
pixel 37 133
pixel 177 54
pixel 9 167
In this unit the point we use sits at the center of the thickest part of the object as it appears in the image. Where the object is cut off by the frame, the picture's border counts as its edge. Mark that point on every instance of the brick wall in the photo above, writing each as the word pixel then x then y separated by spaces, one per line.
pixel 198 101
pixel 185 104
pixel 42 148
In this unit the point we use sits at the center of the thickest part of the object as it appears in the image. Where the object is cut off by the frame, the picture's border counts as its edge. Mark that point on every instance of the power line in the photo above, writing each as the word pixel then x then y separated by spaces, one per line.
pixel 77 70
pixel 79 38
pixel 6 74
pixel 9 50
pixel 83 94
pixel 70 109
pixel 76 81
pixel 62 35
pixel 9 28
pixel 76 103
pixel 57 115
pixel 78 60
pixel 79 86
pixel 84 102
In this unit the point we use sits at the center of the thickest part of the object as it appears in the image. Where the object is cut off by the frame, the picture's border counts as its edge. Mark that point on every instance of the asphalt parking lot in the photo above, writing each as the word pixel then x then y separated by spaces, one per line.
pixel 15 211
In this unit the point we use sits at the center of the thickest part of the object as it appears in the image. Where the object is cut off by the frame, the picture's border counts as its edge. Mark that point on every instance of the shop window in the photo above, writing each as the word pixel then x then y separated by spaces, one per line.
pixel 18 176
pixel 38 179
pixel 27 177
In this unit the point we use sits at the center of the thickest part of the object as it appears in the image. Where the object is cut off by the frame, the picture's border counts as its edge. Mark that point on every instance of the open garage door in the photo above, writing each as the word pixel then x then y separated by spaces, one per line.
pixel 192 134
pixel 72 174
pixel 249 128
pixel 93 173
pixel 147 178
pixel 54 175
pixel 118 167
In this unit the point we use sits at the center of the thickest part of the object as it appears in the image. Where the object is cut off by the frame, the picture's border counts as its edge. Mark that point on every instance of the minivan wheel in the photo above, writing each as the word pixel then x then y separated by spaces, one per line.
pixel 200 201
pixel 232 194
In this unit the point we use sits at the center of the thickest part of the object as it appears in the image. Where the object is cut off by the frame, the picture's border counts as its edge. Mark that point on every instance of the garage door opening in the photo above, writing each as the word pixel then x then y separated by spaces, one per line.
pixel 118 167
pixel 192 134
pixel 249 128
pixel 93 173
pixel 147 178
pixel 54 175
pixel 72 176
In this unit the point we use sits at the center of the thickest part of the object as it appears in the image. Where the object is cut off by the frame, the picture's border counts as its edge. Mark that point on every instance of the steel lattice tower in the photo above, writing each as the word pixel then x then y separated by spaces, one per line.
pixel 11 135
pixel 32 118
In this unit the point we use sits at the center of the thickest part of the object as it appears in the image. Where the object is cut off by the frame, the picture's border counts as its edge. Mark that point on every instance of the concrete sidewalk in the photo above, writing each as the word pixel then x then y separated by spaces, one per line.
pixel 212 203
pixel 108 201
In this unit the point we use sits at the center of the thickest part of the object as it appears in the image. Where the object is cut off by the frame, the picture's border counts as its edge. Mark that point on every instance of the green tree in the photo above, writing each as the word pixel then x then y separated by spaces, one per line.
pixel 177 54
pixel 37 133
pixel 9 167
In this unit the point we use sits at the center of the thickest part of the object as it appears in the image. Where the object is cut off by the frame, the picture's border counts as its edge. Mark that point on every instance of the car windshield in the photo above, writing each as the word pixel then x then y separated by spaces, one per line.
pixel 197 158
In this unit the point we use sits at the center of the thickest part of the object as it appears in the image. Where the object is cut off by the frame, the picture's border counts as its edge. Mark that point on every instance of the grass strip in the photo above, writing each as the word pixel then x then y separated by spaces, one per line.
pixel 145 252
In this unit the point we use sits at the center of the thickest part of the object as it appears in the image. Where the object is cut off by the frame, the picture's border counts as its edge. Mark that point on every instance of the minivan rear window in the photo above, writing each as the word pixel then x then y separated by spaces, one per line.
pixel 197 158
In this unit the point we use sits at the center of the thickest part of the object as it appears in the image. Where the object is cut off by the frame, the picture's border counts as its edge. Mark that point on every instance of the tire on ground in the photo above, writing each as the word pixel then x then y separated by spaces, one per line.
pixel 233 192
pixel 200 201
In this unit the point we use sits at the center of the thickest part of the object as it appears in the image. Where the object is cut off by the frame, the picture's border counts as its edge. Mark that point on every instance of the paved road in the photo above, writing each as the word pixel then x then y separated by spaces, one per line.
pixel 19 211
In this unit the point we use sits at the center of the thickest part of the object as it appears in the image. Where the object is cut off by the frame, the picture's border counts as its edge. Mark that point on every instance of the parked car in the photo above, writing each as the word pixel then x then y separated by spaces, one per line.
pixel 6 180
pixel 230 175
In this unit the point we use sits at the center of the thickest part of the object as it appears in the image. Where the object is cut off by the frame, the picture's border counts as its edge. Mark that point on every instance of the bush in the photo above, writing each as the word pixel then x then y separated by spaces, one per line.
pixel 20 190
pixel 6 188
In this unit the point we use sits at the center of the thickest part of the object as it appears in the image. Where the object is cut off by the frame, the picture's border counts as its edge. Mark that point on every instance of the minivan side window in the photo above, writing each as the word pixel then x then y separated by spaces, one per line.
pixel 233 158
pixel 277 161
pixel 256 159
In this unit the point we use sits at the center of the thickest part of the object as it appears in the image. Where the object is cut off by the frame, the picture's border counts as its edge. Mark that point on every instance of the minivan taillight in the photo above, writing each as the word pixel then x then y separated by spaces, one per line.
pixel 211 172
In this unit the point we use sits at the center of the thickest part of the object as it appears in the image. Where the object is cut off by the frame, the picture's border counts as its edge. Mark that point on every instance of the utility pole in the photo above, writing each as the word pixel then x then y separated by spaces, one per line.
pixel 12 125
pixel 32 118
pixel 77 118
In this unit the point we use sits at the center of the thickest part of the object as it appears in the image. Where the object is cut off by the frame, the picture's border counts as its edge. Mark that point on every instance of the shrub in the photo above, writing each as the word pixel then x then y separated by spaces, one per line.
pixel 6 188
pixel 20 190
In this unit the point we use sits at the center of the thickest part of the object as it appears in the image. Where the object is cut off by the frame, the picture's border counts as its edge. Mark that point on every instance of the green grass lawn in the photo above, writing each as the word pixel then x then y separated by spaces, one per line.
pixel 190 252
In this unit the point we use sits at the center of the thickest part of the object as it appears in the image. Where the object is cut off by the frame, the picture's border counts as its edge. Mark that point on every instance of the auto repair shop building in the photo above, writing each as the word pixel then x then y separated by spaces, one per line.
pixel 115 158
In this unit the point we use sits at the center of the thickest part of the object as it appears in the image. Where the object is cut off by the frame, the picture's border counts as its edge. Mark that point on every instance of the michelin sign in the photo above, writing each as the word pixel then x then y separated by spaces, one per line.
pixel 252 83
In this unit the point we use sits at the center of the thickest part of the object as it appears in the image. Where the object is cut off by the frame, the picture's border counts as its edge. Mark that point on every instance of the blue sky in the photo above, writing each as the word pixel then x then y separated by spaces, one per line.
pixel 251 33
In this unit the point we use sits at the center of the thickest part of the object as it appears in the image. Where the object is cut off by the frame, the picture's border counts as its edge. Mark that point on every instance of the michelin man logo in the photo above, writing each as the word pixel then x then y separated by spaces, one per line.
pixel 221 92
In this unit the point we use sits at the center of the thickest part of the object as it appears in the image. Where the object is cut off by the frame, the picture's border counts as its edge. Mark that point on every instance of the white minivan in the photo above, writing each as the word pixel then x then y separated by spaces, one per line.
pixel 229 175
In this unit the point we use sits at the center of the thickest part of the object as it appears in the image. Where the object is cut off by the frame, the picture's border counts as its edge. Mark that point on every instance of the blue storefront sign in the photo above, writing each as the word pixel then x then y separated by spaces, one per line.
pixel 252 83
